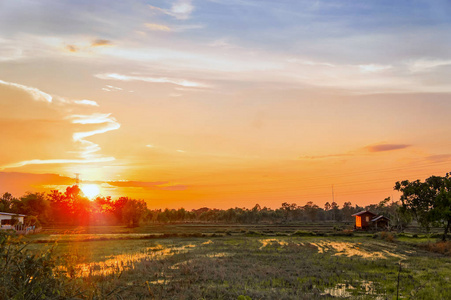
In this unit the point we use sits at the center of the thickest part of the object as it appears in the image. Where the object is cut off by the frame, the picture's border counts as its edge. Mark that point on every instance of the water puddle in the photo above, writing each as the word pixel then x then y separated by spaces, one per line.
pixel 346 290
pixel 341 290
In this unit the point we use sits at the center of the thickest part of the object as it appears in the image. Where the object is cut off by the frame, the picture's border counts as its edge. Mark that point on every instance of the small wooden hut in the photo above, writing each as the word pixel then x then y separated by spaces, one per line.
pixel 366 220
pixel 380 222
pixel 363 219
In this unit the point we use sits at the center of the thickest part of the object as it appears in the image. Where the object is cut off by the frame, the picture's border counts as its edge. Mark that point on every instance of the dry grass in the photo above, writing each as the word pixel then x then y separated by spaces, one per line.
pixel 443 247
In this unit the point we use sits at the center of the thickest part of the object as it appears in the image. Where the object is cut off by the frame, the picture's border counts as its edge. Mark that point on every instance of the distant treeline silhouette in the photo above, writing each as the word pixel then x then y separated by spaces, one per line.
pixel 72 208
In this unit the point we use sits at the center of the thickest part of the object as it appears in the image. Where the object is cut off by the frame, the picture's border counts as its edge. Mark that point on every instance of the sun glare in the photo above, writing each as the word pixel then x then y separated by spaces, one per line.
pixel 90 190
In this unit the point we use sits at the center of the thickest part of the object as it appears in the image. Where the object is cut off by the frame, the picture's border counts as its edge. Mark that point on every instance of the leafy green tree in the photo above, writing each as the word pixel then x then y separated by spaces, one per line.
pixel 327 206
pixel 311 210
pixel 6 202
pixel 134 211
pixel 347 210
pixel 429 201
pixel 35 204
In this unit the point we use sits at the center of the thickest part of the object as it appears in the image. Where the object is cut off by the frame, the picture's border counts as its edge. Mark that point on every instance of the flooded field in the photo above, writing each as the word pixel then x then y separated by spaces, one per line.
pixel 97 236
pixel 258 267
pixel 117 264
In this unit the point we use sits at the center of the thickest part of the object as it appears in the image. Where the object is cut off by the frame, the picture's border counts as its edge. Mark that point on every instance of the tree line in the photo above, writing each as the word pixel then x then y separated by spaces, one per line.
pixel 73 208
pixel 429 202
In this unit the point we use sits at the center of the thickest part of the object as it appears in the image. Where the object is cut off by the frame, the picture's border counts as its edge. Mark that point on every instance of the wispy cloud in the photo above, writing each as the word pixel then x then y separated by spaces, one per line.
pixel 325 156
pixel 159 185
pixel 372 68
pixel 89 148
pixel 37 94
pixel 9 50
pixel 96 118
pixel 173 28
pixel 360 151
pixel 309 62
pixel 59 106
pixel 439 157
pixel 157 27
pixel 56 161
pixel 386 147
pixel 180 9
pixel 86 102
pixel 176 81
pixel 72 48
pixel 101 43
pixel 426 65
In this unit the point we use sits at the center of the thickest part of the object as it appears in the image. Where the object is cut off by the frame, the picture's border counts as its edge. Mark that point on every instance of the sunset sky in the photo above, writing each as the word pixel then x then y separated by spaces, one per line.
pixel 224 103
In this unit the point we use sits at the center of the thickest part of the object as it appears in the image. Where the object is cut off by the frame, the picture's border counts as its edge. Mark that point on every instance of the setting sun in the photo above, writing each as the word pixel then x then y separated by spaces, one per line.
pixel 90 190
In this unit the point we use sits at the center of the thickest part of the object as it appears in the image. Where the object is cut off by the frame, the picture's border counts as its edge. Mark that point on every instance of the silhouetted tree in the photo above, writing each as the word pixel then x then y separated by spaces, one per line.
pixel 429 201
pixel 133 212
pixel 35 204
pixel 6 202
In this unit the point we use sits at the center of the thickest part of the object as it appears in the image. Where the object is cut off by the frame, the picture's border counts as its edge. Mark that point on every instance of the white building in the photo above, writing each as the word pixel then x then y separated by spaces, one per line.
pixel 6 219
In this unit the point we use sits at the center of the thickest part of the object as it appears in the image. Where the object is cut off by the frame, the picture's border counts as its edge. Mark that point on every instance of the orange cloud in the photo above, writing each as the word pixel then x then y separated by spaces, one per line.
pixel 386 147
pixel 101 43
pixel 72 48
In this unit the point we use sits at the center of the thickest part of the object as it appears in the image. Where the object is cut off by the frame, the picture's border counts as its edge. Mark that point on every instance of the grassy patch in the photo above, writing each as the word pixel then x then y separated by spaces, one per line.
pixel 255 263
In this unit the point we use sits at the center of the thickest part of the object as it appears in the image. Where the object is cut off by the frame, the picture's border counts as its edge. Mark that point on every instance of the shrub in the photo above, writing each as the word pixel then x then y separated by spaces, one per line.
pixel 26 276
pixel 439 247
pixel 387 236
pixel 304 233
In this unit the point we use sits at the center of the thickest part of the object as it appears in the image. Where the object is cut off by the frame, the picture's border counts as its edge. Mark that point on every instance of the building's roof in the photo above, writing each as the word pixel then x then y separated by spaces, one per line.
pixel 10 214
pixel 362 213
pixel 379 218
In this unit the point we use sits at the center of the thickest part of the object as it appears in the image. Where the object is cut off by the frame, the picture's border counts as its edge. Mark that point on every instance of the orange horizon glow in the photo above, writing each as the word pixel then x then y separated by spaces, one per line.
pixel 91 191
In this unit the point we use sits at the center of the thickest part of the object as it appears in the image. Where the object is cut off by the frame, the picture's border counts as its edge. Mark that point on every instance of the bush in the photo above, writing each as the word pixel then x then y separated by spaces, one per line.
pixel 439 247
pixel 26 276
pixel 387 236
pixel 303 233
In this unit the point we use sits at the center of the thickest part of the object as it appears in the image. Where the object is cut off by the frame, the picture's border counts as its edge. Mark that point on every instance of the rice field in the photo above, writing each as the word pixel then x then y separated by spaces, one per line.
pixel 253 266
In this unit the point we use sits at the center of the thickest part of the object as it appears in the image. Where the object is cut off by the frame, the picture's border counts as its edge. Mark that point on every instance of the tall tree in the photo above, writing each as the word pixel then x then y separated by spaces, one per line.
pixel 134 211
pixel 35 204
pixel 429 201
pixel 6 202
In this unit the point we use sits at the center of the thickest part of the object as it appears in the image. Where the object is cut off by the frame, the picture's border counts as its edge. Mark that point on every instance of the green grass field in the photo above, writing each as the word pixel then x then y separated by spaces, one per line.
pixel 260 262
